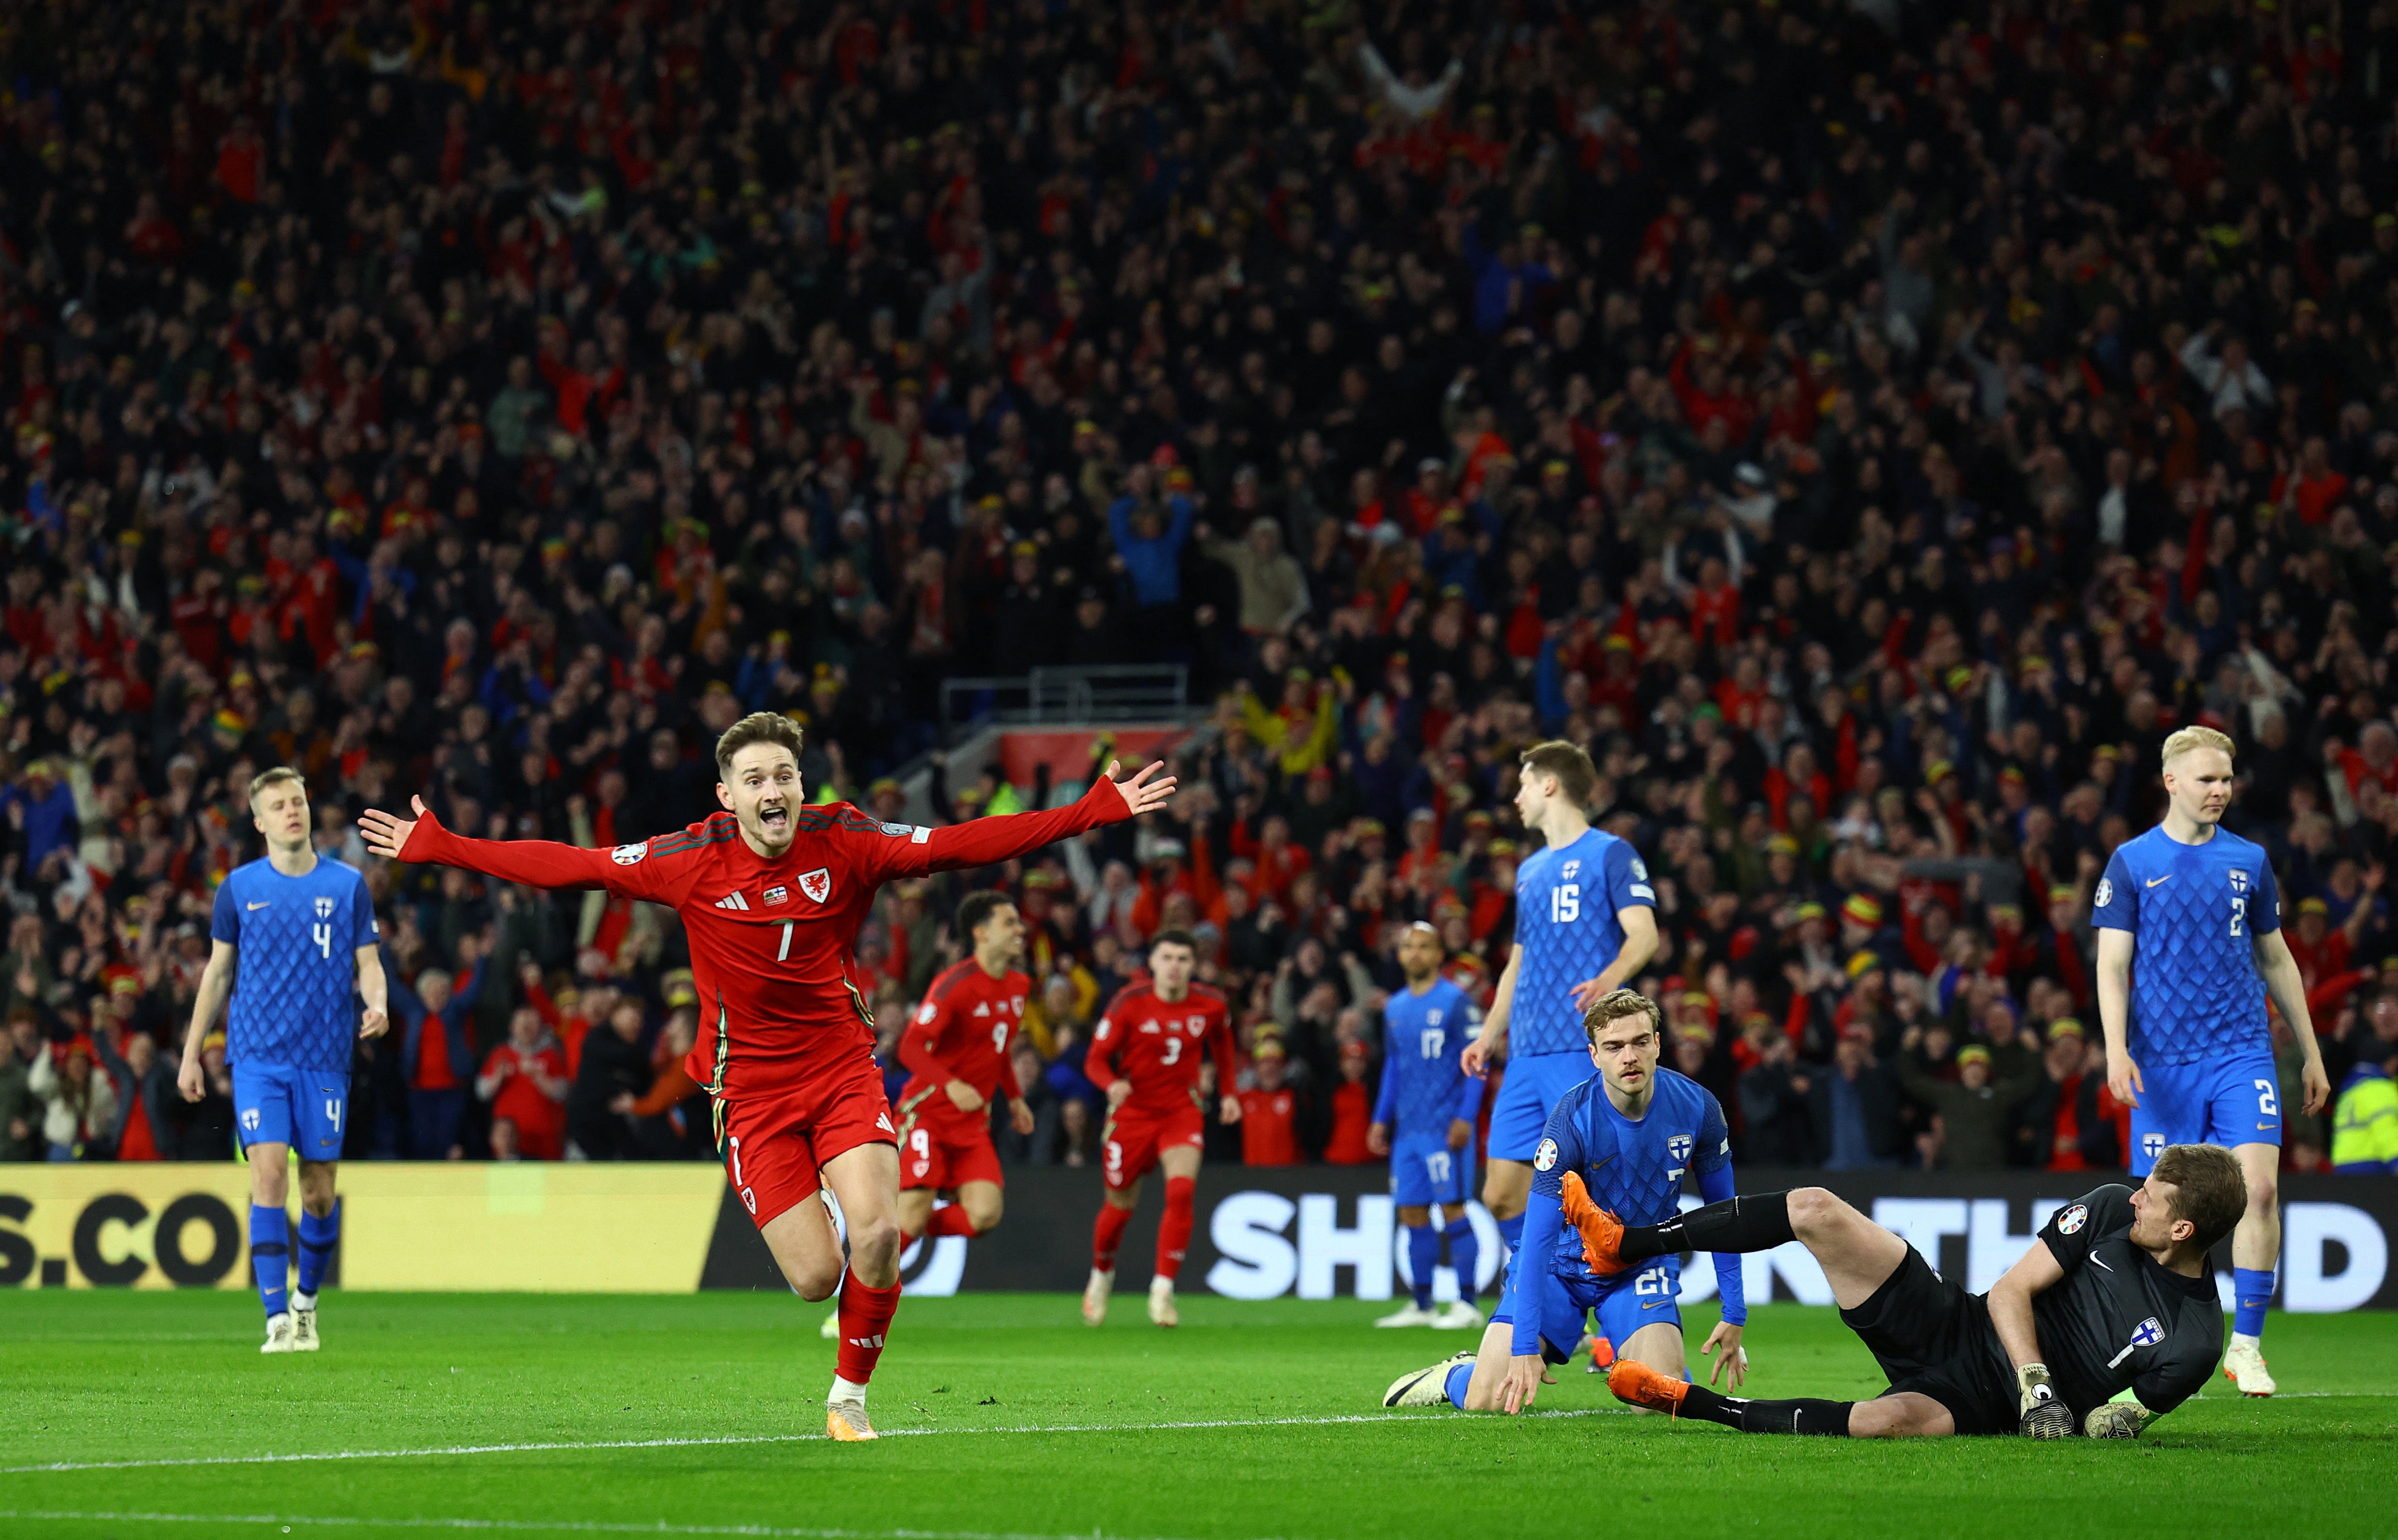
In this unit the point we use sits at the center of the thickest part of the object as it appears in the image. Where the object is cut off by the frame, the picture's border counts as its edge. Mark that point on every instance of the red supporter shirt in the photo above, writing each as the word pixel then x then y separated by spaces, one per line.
pixel 521 1101
pixel 1268 1136
pixel 1158 1045
pixel 771 940
pixel 962 1032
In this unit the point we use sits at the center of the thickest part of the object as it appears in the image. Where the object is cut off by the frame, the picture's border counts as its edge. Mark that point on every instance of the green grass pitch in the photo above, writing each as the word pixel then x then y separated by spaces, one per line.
pixel 703 1415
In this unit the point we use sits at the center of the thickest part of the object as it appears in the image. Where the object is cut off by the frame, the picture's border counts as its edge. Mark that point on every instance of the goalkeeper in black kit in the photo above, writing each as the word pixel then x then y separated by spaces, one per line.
pixel 2109 1321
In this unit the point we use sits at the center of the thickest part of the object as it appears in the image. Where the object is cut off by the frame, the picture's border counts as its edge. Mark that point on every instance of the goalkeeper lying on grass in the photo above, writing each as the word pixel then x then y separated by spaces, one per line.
pixel 2114 1296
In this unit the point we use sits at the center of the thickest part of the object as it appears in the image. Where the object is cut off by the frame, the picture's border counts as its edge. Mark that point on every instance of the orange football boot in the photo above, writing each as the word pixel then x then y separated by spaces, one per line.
pixel 1601 1232
pixel 1635 1384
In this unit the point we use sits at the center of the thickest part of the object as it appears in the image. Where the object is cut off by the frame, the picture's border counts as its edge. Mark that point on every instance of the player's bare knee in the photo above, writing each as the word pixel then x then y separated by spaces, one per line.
pixel 2264 1196
pixel 874 1249
pixel 815 1282
pixel 1815 1211
pixel 982 1213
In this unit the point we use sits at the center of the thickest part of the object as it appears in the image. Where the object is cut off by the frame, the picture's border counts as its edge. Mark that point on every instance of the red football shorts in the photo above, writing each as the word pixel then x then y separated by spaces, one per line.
pixel 942 1149
pixel 775 1144
pixel 1136 1137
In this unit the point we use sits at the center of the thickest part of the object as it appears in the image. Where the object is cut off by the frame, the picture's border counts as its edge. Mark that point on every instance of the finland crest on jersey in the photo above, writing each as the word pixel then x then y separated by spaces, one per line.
pixel 2147 1333
pixel 1677 1150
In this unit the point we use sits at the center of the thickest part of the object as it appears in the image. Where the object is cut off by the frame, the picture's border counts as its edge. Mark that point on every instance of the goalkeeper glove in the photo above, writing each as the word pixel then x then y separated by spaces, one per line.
pixel 2044 1416
pixel 2118 1420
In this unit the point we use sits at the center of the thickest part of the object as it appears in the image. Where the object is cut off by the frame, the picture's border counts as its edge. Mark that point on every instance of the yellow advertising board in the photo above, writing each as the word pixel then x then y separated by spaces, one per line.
pixel 609 1228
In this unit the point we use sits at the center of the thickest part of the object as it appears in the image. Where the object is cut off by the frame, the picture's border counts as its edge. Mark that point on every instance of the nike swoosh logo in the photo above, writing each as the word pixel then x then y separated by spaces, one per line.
pixel 2095 1259
pixel 1652 1305
pixel 2266 1127
pixel 2166 878
pixel 266 905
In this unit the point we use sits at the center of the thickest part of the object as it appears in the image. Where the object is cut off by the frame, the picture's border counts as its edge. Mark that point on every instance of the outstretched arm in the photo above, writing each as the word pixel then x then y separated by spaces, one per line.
pixel 984 842
pixel 536 863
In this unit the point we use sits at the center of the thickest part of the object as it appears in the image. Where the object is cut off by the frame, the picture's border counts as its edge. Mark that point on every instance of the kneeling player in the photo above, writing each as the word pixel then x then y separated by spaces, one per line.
pixel 1145 1055
pixel 2115 1295
pixel 1633 1129
pixel 957 1049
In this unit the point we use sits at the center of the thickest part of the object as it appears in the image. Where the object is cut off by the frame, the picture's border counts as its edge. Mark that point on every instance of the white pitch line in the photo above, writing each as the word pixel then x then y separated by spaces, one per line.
pixel 460 1450
pixel 567 1526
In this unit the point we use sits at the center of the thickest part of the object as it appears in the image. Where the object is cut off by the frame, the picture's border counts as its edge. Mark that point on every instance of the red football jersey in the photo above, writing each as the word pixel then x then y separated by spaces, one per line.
pixel 771 939
pixel 1158 1046
pixel 962 1032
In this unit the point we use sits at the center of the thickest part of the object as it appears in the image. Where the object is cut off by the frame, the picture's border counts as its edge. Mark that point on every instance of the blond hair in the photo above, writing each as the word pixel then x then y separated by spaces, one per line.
pixel 1617 1004
pixel 2190 739
pixel 276 777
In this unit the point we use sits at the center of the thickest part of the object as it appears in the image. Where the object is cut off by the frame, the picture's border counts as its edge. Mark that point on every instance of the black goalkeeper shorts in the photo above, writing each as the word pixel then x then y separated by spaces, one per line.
pixel 1934 1339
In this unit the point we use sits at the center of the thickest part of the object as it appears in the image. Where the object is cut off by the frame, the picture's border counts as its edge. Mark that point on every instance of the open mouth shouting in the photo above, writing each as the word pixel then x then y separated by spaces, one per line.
pixel 775 818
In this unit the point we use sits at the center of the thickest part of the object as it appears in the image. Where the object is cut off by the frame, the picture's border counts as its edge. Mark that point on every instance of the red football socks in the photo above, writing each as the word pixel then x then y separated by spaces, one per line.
pixel 1107 1235
pixel 1174 1230
pixel 865 1320
pixel 951 1221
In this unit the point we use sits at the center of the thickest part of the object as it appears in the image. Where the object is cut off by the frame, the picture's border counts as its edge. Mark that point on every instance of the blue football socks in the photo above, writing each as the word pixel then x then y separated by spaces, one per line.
pixel 1423 1255
pixel 1512 1231
pixel 317 1238
pixel 2252 1290
pixel 1458 1378
pixel 1464 1253
pixel 270 1256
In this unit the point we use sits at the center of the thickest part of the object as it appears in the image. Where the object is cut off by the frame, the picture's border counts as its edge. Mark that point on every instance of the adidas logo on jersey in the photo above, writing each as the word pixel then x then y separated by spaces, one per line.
pixel 883 1121
pixel 733 900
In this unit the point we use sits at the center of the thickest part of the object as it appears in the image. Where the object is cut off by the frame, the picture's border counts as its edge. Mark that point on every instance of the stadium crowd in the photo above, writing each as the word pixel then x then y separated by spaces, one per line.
pixel 1868 430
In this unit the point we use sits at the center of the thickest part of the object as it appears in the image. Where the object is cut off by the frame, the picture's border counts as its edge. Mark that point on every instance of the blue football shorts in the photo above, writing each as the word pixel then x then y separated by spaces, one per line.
pixel 1533 1086
pixel 274 1104
pixel 1624 1303
pixel 1424 1170
pixel 2228 1102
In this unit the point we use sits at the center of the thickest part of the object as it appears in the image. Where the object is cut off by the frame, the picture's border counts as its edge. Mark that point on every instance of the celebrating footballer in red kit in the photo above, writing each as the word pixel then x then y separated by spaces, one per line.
pixel 1145 1057
pixel 771 892
pixel 955 1049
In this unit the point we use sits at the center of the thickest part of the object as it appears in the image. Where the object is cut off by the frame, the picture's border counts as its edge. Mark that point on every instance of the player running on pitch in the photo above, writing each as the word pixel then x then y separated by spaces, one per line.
pixel 294 939
pixel 771 892
pixel 1585 924
pixel 2190 945
pixel 1632 1129
pixel 1423 1120
pixel 2114 1296
pixel 1144 1057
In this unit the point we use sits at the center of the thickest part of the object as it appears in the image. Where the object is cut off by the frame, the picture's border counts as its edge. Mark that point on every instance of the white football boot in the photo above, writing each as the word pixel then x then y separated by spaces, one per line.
pixel 2243 1365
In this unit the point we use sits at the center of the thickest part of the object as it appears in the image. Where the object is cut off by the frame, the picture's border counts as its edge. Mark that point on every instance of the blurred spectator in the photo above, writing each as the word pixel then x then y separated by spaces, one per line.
pixel 1972 1110
pixel 2364 1119
pixel 613 1073
pixel 1854 1107
pixel 1270 1109
pixel 2068 1123
pixel 78 1104
pixel 21 1113
pixel 524 1082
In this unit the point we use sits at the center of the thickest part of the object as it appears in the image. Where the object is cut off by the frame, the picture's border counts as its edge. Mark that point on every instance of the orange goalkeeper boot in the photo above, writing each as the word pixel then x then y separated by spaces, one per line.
pixel 1635 1384
pixel 1601 1232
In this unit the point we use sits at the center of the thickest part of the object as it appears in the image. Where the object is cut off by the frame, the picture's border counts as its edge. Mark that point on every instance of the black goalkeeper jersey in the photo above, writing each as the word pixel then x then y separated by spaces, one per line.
pixel 2118 1319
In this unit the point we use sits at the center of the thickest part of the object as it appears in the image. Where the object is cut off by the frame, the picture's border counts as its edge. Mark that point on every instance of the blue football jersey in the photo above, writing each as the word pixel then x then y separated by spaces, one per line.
pixel 295 989
pixel 2192 910
pixel 1634 1171
pixel 1565 900
pixel 1424 1087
